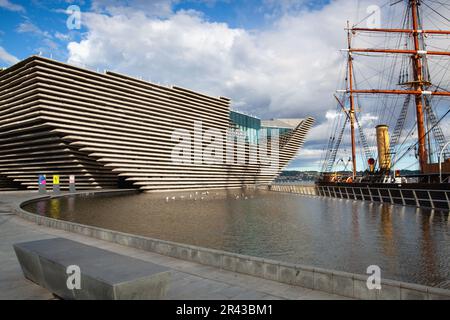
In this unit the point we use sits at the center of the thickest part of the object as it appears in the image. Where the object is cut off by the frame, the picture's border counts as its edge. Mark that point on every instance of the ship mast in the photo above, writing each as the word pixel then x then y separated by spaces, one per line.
pixel 418 86
pixel 351 113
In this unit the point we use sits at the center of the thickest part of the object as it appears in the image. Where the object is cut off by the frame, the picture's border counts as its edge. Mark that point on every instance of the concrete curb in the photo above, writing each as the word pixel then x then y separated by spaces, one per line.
pixel 330 281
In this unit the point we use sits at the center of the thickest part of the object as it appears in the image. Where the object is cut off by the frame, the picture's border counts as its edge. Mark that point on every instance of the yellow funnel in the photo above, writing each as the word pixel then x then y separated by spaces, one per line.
pixel 384 156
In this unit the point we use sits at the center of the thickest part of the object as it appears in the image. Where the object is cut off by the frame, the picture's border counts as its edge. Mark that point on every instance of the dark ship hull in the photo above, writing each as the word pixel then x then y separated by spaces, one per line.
pixel 422 195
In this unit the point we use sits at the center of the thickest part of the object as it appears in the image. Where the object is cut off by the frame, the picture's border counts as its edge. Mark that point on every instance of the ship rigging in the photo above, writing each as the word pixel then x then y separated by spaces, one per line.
pixel 413 76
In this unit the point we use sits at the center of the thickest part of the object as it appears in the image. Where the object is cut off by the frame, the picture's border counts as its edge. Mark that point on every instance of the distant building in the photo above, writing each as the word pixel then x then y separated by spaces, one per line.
pixel 112 130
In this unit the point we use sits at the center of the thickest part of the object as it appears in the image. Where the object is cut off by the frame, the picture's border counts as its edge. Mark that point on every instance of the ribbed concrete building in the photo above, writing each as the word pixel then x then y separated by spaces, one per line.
pixel 110 130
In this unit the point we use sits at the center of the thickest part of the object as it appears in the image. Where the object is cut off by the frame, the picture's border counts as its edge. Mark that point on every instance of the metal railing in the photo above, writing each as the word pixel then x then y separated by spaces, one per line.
pixel 294 188
pixel 424 198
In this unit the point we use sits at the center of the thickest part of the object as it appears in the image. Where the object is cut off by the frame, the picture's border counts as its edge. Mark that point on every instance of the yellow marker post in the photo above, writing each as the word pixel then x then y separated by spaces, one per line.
pixel 56 183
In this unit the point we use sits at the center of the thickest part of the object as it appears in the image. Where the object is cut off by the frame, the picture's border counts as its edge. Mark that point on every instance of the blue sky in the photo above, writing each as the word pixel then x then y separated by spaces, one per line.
pixel 273 58
pixel 248 14
pixel 30 27
pixel 34 27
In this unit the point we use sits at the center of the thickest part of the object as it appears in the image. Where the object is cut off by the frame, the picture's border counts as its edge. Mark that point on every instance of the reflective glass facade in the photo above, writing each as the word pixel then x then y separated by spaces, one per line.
pixel 247 124
pixel 251 126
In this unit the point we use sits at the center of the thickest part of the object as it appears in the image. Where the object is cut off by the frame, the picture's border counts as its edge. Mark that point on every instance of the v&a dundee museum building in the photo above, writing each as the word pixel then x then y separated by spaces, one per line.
pixel 110 130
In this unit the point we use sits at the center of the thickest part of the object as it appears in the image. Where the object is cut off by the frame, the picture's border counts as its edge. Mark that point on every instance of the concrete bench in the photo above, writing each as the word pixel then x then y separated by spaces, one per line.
pixel 105 275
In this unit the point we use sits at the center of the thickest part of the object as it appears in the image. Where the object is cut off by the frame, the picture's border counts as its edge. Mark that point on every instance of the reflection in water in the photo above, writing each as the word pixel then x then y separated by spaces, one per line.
pixel 41 208
pixel 387 230
pixel 355 219
pixel 55 209
pixel 71 203
pixel 427 245
pixel 408 244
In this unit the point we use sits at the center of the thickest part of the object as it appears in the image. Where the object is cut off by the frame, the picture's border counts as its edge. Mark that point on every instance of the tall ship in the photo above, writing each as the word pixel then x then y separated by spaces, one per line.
pixel 388 142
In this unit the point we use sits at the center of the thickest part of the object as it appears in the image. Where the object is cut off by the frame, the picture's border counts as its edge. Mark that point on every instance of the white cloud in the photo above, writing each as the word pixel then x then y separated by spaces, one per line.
pixel 153 8
pixel 7 57
pixel 290 68
pixel 8 5
pixel 310 153
pixel 28 27
pixel 47 44
pixel 277 8
pixel 62 36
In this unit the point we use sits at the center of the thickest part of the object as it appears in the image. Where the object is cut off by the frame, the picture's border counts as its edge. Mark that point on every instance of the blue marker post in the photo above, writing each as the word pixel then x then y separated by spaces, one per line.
pixel 42 183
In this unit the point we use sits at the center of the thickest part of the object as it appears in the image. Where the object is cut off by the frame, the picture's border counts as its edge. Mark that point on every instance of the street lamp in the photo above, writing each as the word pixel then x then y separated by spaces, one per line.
pixel 440 162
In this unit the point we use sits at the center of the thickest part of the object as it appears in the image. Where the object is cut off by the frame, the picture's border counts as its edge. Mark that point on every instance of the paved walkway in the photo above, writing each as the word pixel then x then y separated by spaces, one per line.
pixel 189 280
